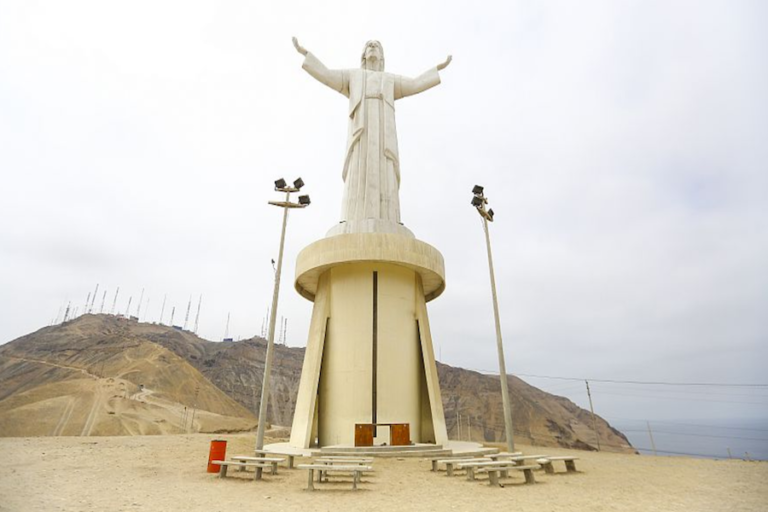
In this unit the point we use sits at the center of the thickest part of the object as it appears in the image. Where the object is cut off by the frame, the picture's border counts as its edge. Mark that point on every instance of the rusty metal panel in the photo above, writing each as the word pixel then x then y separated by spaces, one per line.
pixel 363 434
pixel 400 434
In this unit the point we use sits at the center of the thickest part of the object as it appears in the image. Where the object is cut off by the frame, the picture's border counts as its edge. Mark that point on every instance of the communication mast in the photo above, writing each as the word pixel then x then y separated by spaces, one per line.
pixel 128 309
pixel 103 299
pixel 138 308
pixel 162 309
pixel 114 302
pixel 93 298
pixel 87 301
pixel 226 329
pixel 66 313
pixel 186 318
pixel 173 312
pixel 197 317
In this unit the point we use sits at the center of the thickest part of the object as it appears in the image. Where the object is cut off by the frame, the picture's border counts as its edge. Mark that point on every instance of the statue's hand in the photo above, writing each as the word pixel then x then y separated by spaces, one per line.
pixel 299 48
pixel 443 65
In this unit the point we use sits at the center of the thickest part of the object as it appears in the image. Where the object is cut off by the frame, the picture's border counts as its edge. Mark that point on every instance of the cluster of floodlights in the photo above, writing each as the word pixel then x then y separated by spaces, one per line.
pixel 282 186
pixel 479 201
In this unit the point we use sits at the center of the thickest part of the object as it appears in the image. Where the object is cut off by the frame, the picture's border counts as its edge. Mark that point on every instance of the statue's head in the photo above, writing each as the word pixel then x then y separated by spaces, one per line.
pixel 373 56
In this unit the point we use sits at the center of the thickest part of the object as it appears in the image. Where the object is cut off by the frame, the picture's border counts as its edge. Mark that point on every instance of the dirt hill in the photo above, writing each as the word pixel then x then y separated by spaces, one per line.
pixel 104 375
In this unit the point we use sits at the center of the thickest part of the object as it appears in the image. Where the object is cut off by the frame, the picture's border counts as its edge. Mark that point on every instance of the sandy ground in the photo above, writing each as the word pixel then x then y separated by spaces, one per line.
pixel 167 473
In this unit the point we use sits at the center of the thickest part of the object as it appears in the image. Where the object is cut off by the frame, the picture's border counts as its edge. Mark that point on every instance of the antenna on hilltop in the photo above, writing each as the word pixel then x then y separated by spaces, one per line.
pixel 173 312
pixel 186 318
pixel 93 298
pixel 226 329
pixel 197 317
pixel 162 309
pixel 66 313
pixel 128 309
pixel 87 301
pixel 138 308
pixel 103 299
pixel 114 302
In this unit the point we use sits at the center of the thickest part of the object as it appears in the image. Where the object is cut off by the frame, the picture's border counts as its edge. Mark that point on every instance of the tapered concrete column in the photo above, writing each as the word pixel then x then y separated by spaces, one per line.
pixel 369 355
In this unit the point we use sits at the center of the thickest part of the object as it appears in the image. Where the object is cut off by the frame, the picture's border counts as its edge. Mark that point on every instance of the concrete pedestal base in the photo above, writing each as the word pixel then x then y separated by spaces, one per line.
pixel 369 355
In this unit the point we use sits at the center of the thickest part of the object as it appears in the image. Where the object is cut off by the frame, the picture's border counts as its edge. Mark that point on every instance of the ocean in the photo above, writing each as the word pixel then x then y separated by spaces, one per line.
pixel 708 438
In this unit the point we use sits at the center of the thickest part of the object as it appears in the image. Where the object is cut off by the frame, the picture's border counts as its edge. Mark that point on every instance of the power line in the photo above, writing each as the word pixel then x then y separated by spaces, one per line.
pixel 699 435
pixel 686 399
pixel 690 424
pixel 647 383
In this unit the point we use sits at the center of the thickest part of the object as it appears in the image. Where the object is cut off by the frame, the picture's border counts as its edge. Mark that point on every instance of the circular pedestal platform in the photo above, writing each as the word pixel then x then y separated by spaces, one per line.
pixel 392 248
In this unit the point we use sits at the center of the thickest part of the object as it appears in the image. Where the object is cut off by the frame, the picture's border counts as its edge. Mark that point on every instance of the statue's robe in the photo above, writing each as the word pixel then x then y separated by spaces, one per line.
pixel 371 170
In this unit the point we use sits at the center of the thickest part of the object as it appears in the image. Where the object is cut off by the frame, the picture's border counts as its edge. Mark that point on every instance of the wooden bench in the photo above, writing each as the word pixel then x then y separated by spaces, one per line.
pixel 356 471
pixel 493 473
pixel 290 456
pixel 264 462
pixel 450 463
pixel 546 463
pixel 242 465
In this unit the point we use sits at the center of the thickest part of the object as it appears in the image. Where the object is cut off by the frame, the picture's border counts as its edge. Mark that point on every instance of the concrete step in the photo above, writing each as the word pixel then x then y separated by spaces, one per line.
pixel 366 452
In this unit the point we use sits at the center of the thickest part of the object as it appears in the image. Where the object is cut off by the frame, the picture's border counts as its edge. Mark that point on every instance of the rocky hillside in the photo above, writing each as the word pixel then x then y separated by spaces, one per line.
pixel 104 375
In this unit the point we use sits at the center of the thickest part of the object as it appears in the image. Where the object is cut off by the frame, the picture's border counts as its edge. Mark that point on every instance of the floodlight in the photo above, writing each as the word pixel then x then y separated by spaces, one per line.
pixel 304 200
pixel 477 190
pixel 490 214
pixel 298 183
pixel 477 201
pixel 280 184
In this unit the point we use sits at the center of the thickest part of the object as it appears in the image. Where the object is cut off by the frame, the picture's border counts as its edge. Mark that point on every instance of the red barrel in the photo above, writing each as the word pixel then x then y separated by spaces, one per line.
pixel 218 452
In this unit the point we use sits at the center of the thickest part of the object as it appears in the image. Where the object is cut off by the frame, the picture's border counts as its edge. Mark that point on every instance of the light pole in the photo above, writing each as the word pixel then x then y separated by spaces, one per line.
pixel 479 201
pixel 280 186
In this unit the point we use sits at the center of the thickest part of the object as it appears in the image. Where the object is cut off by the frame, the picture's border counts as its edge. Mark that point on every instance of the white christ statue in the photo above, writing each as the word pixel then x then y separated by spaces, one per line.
pixel 371 171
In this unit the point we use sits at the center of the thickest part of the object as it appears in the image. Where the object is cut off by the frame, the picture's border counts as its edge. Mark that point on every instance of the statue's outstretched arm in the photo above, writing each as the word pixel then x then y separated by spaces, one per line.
pixel 336 79
pixel 299 48
pixel 405 86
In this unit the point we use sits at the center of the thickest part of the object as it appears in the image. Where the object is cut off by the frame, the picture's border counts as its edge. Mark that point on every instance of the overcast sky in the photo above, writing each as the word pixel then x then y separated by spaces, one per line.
pixel 623 146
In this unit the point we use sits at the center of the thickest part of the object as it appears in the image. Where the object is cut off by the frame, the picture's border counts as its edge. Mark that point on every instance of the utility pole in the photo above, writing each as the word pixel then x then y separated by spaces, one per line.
pixel 280 186
pixel 194 410
pixel 594 418
pixel 650 434
pixel 479 201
